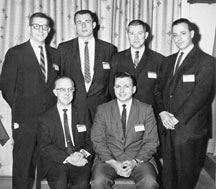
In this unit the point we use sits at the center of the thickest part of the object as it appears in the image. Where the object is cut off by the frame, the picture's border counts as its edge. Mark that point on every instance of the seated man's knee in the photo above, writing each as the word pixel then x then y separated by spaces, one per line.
pixel 100 182
pixel 148 182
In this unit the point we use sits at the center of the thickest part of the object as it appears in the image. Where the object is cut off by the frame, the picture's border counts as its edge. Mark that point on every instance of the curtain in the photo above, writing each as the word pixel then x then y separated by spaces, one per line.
pixel 113 17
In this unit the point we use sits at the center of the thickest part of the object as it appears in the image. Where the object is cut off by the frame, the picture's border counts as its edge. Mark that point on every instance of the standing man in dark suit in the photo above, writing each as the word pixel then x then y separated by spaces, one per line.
pixel 87 61
pixel 64 142
pixel 124 136
pixel 184 94
pixel 26 82
pixel 139 61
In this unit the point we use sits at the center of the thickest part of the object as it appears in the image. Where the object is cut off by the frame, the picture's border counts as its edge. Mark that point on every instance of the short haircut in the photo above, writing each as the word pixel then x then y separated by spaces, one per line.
pixel 84 12
pixel 39 15
pixel 62 77
pixel 122 75
pixel 183 20
pixel 137 23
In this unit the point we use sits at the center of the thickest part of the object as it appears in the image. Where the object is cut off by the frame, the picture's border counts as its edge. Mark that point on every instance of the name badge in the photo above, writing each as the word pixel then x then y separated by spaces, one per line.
pixel 16 125
pixel 152 75
pixel 139 128
pixel 81 128
pixel 189 78
pixel 106 65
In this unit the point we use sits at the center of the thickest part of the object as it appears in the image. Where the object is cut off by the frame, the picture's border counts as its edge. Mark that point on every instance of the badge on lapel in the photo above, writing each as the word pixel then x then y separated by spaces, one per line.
pixel 139 127
pixel 81 128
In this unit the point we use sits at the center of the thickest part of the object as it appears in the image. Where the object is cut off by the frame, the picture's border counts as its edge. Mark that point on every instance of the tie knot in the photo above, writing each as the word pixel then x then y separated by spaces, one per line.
pixel 137 53
pixel 65 110
pixel 86 43
pixel 41 47
pixel 124 105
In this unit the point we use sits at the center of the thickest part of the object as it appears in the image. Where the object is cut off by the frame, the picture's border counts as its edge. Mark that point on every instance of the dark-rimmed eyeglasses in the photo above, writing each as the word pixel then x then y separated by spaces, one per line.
pixel 38 26
pixel 64 90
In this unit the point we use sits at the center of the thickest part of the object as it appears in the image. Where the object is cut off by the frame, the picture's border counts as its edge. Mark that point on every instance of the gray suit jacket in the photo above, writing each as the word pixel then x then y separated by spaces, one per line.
pixel 107 134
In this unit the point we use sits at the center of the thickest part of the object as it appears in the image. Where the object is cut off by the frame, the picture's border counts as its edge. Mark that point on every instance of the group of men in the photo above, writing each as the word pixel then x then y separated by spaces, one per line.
pixel 84 113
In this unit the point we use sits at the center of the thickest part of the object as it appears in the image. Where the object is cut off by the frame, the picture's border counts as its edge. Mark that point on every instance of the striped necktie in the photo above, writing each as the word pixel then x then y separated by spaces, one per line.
pixel 136 59
pixel 87 74
pixel 123 118
pixel 42 62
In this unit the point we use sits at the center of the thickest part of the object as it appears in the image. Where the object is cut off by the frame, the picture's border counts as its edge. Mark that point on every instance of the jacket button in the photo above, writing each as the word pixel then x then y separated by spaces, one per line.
pixel 171 96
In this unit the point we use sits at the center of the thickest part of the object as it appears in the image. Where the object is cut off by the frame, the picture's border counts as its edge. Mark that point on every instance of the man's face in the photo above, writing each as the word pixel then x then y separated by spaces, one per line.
pixel 84 25
pixel 64 90
pixel 39 30
pixel 137 36
pixel 124 89
pixel 182 36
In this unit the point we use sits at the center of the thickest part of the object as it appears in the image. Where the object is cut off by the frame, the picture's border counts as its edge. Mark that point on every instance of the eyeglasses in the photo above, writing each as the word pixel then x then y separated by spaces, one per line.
pixel 63 90
pixel 37 27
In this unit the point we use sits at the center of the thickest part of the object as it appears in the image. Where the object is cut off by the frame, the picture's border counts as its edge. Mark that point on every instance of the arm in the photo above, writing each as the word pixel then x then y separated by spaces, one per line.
pixel 8 77
pixel 98 136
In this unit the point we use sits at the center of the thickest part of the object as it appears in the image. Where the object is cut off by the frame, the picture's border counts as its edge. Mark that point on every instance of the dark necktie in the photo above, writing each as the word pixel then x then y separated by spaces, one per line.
pixel 178 62
pixel 42 62
pixel 123 118
pixel 87 75
pixel 136 59
pixel 67 133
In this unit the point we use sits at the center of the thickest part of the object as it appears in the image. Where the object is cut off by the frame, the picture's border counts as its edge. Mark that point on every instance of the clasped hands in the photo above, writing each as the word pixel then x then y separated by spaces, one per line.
pixel 77 159
pixel 169 121
pixel 124 168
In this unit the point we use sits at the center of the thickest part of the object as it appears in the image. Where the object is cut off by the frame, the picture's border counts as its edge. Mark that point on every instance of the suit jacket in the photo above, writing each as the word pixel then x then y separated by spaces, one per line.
pixel 107 133
pixel 71 66
pixel 145 74
pixel 22 83
pixel 51 137
pixel 188 94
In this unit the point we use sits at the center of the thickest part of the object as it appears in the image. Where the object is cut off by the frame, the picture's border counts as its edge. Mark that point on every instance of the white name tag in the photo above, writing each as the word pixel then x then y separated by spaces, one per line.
pixel 81 128
pixel 106 65
pixel 139 128
pixel 152 75
pixel 16 125
pixel 56 67
pixel 189 78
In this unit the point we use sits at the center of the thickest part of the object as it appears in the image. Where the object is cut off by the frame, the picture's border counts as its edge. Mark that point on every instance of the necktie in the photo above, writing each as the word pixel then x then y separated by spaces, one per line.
pixel 67 133
pixel 123 118
pixel 87 75
pixel 178 62
pixel 136 59
pixel 42 62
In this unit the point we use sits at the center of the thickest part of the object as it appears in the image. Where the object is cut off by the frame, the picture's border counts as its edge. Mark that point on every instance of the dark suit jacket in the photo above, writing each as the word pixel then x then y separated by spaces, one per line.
pixel 51 137
pixel 147 67
pixel 188 94
pixel 22 81
pixel 71 66
pixel 107 134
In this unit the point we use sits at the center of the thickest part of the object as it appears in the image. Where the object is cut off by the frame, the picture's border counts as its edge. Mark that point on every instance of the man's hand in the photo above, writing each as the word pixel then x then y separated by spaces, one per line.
pixel 77 159
pixel 123 169
pixel 168 120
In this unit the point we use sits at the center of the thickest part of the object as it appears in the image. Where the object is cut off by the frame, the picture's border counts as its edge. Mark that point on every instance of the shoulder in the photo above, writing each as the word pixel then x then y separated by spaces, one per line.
pixel 19 47
pixel 141 105
pixel 49 113
pixel 104 43
pixel 68 43
pixel 154 54
pixel 106 106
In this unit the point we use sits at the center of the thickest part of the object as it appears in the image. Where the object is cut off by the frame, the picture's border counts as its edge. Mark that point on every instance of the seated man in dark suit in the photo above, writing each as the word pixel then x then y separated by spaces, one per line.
pixel 64 141
pixel 125 138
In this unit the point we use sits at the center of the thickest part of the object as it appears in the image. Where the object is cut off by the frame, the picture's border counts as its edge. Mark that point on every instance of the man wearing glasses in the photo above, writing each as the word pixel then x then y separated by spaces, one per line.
pixel 27 80
pixel 64 141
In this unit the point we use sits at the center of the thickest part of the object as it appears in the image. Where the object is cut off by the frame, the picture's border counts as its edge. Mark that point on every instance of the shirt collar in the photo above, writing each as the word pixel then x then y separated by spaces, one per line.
pixel 141 50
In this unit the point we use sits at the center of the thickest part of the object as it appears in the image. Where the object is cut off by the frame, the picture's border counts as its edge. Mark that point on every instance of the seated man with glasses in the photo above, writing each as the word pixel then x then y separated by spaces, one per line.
pixel 64 141
pixel 27 79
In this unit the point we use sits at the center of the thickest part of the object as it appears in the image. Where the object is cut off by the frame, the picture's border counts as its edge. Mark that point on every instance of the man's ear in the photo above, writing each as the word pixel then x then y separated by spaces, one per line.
pixel 192 33
pixel 94 25
pixel 55 92
pixel 134 89
pixel 146 35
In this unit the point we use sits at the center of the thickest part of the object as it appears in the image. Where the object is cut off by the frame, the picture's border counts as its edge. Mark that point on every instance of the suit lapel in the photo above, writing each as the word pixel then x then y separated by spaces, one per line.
pixel 58 125
pixel 129 61
pixel 33 58
pixel 74 124
pixel 132 119
pixel 116 118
